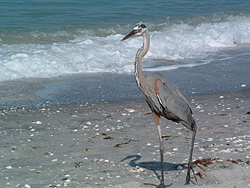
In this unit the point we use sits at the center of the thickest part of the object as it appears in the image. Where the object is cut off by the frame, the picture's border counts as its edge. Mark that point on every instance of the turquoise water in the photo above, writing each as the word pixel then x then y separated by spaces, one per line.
pixel 43 38
pixel 43 14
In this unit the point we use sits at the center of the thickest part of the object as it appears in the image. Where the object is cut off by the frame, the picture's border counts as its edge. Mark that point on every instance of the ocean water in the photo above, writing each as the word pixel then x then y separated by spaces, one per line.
pixel 40 38
pixel 46 39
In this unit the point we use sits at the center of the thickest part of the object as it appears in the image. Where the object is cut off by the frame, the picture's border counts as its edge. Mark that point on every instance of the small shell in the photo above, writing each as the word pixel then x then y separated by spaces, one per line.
pixel 137 169
pixel 112 164
pixel 225 151
pixel 180 167
pixel 210 139
pixel 68 180
pixel 37 122
pixel 9 167
pixel 95 160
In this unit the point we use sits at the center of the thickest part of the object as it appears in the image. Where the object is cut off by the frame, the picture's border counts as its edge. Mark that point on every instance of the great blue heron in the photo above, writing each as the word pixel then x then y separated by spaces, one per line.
pixel 162 97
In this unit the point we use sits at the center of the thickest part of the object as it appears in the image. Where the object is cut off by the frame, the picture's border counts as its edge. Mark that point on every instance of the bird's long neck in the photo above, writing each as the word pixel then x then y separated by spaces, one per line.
pixel 140 78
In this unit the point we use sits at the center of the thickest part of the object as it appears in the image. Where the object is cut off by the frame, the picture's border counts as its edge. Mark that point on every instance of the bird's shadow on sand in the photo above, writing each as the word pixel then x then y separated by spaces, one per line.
pixel 152 165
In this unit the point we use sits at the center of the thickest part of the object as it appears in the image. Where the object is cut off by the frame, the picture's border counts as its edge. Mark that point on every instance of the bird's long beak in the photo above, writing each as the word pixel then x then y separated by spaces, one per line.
pixel 131 34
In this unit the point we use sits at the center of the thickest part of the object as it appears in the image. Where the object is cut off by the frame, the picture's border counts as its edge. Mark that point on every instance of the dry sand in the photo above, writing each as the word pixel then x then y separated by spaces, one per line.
pixel 116 144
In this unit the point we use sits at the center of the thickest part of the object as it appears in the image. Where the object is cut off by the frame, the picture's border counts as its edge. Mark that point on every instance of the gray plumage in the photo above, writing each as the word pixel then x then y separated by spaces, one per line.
pixel 171 99
pixel 163 97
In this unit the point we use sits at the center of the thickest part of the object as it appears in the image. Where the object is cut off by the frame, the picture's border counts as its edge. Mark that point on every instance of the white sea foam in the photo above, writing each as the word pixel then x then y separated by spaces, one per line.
pixel 89 53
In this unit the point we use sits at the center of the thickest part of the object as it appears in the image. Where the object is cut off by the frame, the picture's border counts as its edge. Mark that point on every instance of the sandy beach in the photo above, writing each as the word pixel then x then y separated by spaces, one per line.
pixel 115 144
pixel 71 114
pixel 62 131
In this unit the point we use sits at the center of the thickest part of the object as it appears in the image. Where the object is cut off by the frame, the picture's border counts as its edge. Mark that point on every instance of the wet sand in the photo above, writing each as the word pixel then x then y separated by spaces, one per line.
pixel 221 75
pixel 115 144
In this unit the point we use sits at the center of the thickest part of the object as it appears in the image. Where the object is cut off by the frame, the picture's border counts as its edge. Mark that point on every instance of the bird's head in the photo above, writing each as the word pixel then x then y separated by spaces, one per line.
pixel 138 30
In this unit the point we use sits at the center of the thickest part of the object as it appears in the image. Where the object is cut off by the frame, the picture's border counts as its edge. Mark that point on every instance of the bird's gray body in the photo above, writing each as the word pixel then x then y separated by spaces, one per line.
pixel 163 97
pixel 169 100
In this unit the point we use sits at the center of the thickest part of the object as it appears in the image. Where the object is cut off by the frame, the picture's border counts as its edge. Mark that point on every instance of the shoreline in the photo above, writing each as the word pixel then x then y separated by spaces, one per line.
pixel 80 88
pixel 94 144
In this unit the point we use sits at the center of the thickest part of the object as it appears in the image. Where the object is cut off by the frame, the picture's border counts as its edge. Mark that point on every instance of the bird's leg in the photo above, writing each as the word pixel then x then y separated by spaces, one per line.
pixel 161 152
pixel 190 167
pixel 157 121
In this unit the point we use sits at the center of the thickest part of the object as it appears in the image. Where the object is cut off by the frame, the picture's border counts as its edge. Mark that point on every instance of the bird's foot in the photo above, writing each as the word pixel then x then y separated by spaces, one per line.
pixel 190 168
pixel 187 179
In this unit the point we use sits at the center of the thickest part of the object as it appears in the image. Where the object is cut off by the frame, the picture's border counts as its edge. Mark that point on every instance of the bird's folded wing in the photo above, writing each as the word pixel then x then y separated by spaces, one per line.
pixel 171 98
